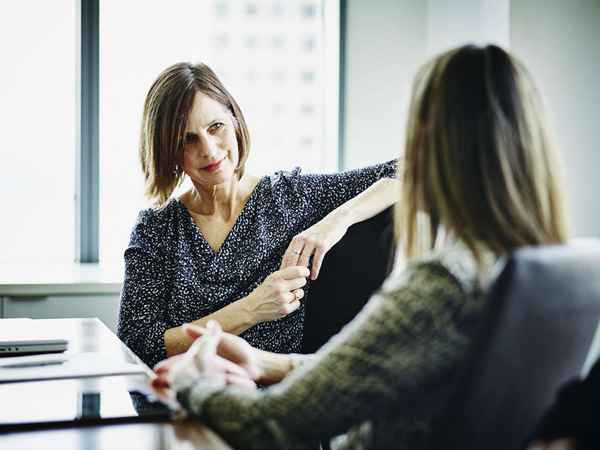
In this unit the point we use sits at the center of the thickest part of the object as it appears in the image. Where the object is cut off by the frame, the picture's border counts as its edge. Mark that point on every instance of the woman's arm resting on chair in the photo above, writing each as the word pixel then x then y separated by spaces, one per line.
pixel 317 240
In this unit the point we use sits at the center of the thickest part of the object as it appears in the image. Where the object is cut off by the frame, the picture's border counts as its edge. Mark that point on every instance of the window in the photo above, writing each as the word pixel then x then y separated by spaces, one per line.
pixel 279 58
pixel 37 112
pixel 270 55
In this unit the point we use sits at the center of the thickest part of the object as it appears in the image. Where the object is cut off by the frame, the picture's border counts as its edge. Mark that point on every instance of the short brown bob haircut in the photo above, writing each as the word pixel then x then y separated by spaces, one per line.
pixel 166 110
pixel 479 163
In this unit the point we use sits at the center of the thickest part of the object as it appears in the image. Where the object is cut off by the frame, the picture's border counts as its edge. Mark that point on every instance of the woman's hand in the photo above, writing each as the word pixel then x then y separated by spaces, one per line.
pixel 220 357
pixel 277 296
pixel 233 348
pixel 315 242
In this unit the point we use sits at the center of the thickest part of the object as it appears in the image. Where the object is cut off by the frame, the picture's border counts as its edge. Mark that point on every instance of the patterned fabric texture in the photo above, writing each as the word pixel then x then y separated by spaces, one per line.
pixel 173 276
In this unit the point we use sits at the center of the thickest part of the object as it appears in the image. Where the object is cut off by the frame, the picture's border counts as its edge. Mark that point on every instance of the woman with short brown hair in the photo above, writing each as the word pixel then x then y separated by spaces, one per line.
pixel 235 247
pixel 480 179
pixel 164 121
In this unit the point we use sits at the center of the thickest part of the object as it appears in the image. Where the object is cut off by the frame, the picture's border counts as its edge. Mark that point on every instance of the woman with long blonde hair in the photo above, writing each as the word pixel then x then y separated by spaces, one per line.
pixel 479 180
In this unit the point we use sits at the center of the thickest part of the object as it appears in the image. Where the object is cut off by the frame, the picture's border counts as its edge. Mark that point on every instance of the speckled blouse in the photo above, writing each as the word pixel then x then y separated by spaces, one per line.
pixel 173 276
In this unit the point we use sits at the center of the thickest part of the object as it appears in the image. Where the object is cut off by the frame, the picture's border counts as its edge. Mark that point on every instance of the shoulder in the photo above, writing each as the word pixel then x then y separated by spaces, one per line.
pixel 386 169
pixel 154 222
pixel 282 185
pixel 284 178
pixel 454 261
pixel 447 278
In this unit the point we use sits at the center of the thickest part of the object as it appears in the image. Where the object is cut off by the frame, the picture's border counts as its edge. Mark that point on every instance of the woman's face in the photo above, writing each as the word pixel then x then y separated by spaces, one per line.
pixel 210 152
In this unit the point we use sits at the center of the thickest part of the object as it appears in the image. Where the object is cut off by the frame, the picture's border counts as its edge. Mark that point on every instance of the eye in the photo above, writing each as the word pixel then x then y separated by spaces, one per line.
pixel 215 127
pixel 190 138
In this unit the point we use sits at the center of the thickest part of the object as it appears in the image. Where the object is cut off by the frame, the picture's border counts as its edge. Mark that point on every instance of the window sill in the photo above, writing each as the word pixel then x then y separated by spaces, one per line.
pixel 42 279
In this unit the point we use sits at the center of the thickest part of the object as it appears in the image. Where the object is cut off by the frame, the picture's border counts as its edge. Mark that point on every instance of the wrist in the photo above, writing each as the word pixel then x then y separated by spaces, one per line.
pixel 274 366
pixel 342 216
pixel 246 310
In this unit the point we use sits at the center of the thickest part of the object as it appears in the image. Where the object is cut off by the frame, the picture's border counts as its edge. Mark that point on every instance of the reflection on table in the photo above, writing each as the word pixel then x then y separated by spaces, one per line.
pixel 57 414
pixel 147 436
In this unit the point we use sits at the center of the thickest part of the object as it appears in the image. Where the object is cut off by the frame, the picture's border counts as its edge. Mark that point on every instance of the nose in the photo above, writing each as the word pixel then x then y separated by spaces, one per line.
pixel 212 148
pixel 207 146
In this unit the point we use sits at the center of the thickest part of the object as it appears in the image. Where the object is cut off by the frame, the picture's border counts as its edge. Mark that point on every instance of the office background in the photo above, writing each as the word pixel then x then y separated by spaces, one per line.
pixel 324 84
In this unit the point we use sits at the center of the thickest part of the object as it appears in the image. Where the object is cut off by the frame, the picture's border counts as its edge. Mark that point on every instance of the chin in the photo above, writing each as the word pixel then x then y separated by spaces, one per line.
pixel 221 177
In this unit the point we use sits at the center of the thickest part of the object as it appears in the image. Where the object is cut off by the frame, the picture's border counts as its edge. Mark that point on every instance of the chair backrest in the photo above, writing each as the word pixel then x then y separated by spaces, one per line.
pixel 351 272
pixel 544 311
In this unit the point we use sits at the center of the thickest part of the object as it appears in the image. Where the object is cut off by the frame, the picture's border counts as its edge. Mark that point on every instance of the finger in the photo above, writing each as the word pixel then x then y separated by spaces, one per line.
pixel 293 252
pixel 229 367
pixel 160 382
pixel 162 392
pixel 290 307
pixel 193 331
pixel 161 369
pixel 295 283
pixel 208 343
pixel 213 336
pixel 316 263
pixel 254 372
pixel 284 299
pixel 243 382
pixel 298 294
pixel 290 273
pixel 307 252
pixel 166 364
pixel 288 259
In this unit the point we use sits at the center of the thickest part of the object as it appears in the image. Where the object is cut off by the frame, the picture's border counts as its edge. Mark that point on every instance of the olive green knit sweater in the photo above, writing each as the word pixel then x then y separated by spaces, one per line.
pixel 383 380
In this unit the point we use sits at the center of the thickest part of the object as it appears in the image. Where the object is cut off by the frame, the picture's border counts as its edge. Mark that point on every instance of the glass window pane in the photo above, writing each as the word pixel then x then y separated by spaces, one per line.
pixel 270 55
pixel 37 113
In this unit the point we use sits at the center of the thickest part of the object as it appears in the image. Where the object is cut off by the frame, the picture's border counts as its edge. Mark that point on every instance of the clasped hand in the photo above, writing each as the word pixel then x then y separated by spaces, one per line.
pixel 216 357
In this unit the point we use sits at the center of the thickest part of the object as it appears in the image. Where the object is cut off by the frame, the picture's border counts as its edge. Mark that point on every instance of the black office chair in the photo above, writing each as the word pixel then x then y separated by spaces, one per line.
pixel 544 311
pixel 352 270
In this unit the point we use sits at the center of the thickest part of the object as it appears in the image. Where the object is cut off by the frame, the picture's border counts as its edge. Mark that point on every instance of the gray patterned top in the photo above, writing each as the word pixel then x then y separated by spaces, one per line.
pixel 385 378
pixel 173 276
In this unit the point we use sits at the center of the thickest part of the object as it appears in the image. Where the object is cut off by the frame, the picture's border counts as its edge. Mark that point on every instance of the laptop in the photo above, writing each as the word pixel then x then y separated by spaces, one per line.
pixel 26 337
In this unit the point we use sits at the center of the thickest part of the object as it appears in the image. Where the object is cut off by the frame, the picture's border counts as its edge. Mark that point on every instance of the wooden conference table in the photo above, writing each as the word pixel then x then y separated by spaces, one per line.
pixel 93 413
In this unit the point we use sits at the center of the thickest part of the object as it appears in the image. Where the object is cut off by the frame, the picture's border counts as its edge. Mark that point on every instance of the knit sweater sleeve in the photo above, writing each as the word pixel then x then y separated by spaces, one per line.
pixel 401 341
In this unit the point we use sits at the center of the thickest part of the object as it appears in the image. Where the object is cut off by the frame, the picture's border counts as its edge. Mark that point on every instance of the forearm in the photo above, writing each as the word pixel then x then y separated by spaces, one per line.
pixel 274 366
pixel 379 196
pixel 299 409
pixel 234 318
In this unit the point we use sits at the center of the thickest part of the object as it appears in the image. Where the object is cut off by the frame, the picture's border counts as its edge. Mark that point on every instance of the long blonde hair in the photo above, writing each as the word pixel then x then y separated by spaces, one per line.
pixel 478 163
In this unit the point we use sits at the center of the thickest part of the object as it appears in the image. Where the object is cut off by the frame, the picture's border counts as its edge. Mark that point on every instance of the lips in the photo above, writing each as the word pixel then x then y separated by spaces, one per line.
pixel 213 167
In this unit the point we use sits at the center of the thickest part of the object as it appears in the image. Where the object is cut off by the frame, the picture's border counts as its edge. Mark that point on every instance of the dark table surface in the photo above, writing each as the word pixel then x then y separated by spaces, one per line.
pixel 105 412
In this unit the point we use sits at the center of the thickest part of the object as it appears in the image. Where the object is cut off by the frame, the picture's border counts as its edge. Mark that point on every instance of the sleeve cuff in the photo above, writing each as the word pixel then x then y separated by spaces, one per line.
pixel 193 395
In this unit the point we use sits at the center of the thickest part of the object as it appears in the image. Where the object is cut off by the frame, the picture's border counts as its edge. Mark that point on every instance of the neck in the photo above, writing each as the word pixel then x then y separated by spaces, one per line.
pixel 222 199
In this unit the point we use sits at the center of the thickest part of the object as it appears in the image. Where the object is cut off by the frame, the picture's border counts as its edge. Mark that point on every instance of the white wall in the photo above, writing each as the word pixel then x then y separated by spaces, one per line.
pixel 560 43
pixel 451 23
pixel 386 41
